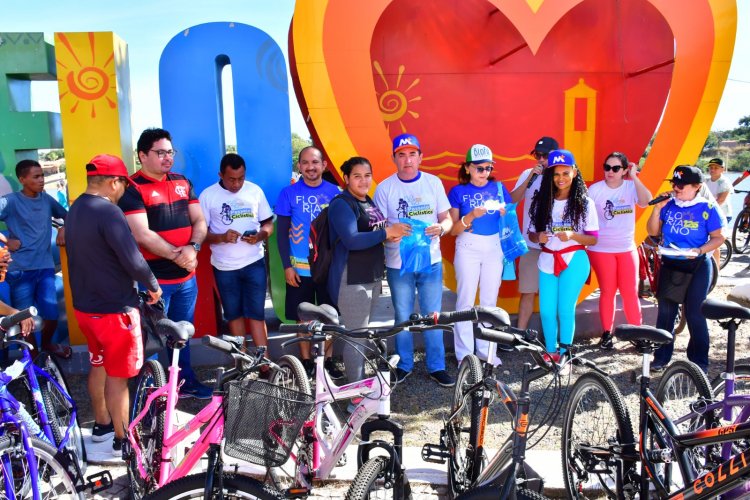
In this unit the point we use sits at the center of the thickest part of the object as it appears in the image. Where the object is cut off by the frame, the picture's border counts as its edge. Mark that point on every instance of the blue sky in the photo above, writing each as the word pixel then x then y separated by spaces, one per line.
pixel 147 27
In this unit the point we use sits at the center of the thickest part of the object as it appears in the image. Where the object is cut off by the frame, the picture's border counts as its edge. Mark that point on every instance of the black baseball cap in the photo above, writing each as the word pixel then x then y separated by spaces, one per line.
pixel 545 145
pixel 686 174
pixel 717 161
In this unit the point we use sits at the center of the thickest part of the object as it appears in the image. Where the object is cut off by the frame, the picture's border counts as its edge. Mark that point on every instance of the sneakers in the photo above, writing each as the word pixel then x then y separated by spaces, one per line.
pixel 551 357
pixel 442 378
pixel 607 341
pixel 117 447
pixel 101 433
pixel 399 375
pixel 194 389
pixel 333 370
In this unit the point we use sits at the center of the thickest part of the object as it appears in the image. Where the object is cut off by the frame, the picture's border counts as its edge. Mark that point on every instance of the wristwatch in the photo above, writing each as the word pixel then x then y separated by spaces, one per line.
pixel 196 246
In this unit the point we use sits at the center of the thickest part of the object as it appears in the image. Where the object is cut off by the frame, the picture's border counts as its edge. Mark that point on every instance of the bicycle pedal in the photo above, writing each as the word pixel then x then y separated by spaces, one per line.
pixel 99 482
pixel 342 461
pixel 435 453
pixel 297 493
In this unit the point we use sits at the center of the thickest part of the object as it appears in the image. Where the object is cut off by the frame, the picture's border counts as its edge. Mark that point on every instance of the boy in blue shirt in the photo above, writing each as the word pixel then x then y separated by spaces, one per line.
pixel 31 273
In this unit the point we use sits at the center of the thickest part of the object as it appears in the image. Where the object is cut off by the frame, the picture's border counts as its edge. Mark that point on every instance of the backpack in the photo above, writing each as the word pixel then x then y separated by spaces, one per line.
pixel 321 249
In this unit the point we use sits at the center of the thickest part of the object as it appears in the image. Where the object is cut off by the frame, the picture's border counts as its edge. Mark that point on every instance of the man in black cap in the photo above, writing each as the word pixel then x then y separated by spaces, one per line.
pixel 528 184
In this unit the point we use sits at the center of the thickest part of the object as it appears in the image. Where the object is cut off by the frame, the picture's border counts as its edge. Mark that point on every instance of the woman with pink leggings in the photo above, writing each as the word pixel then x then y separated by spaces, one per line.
pixel 614 257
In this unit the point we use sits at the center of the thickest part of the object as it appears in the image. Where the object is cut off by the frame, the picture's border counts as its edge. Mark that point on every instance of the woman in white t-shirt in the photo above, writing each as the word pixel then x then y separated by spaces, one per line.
pixel 563 222
pixel 614 257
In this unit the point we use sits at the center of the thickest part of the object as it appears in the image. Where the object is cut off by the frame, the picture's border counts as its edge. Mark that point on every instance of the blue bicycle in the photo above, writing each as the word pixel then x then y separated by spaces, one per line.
pixel 47 432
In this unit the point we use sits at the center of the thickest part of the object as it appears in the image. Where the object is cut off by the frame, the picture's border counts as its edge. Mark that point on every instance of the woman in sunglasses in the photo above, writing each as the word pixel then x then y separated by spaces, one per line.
pixel 563 223
pixel 477 203
pixel 690 226
pixel 614 257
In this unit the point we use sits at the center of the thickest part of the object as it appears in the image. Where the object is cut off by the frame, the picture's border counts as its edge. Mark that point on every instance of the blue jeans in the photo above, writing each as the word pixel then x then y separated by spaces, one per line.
pixel 697 349
pixel 179 300
pixel 243 291
pixel 34 288
pixel 429 286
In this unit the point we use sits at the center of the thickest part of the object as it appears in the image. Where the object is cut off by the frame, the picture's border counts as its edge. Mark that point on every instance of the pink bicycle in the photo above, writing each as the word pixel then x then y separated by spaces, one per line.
pixel 245 402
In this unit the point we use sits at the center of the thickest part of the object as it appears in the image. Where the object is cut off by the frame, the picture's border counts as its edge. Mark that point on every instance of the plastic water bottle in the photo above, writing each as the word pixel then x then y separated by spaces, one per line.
pixel 31 426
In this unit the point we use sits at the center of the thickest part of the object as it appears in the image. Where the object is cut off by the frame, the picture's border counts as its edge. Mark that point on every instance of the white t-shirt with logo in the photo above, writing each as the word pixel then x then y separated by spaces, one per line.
pixel 546 262
pixel 528 196
pixel 241 211
pixel 616 211
pixel 423 199
pixel 721 185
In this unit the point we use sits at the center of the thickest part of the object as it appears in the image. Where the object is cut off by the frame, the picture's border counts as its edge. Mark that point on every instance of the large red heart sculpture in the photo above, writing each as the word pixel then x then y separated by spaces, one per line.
pixel 595 74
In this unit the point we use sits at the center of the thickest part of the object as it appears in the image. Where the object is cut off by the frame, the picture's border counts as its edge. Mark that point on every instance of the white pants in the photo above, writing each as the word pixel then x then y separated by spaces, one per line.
pixel 478 263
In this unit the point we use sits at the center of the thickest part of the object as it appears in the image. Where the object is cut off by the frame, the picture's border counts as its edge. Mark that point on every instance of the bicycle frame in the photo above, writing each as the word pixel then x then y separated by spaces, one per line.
pixel 212 414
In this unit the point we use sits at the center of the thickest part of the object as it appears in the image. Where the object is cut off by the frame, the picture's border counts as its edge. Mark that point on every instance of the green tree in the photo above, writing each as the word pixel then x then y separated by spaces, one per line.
pixel 712 142
pixel 741 161
pixel 298 143
pixel 743 131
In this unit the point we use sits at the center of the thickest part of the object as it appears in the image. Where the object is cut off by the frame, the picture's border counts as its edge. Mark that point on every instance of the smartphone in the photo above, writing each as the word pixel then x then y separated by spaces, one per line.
pixel 250 232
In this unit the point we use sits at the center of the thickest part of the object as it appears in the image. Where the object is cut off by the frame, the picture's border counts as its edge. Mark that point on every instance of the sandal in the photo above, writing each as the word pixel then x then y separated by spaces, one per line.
pixel 62 351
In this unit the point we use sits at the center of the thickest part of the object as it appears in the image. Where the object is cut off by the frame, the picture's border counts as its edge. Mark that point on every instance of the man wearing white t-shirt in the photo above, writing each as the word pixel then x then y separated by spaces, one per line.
pixel 411 194
pixel 528 184
pixel 239 220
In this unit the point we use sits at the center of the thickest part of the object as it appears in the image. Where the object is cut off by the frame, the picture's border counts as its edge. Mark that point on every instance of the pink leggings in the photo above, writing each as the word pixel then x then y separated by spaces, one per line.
pixel 617 271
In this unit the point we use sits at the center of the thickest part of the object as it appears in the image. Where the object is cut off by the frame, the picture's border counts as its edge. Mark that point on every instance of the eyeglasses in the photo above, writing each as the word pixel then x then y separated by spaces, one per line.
pixel 124 180
pixel 678 187
pixel 613 168
pixel 482 170
pixel 540 156
pixel 161 153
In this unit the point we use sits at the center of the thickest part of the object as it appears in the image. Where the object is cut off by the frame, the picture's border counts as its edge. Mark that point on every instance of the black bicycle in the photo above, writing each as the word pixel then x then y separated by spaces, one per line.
pixel 741 231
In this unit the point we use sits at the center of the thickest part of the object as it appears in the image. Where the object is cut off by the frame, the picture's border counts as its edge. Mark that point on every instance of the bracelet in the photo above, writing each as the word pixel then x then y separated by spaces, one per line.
pixel 464 222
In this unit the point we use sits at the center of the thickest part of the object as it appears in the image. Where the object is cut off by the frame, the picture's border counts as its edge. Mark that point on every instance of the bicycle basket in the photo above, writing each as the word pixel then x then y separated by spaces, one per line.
pixel 263 420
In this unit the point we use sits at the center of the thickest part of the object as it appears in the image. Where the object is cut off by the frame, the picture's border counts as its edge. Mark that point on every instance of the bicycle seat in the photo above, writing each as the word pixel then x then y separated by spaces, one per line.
pixel 177 334
pixel 494 316
pixel 722 309
pixel 323 313
pixel 633 333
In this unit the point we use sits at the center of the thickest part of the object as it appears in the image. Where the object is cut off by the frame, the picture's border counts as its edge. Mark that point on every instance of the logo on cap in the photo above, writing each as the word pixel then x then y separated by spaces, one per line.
pixel 678 174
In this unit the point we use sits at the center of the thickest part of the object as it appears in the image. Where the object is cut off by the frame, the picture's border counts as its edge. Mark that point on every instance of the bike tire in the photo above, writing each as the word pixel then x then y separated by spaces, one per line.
pixel 370 480
pixel 741 232
pixel 291 375
pixel 725 254
pixel 236 487
pixel 491 492
pixel 741 381
pixel 150 429
pixel 53 469
pixel 463 466
pixel 59 409
pixel 595 406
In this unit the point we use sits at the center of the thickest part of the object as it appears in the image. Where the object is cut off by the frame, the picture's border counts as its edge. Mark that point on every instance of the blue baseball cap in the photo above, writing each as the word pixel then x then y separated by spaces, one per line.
pixel 404 141
pixel 561 157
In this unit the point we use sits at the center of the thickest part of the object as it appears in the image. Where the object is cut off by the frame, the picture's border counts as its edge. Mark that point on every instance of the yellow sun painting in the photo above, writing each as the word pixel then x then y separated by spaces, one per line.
pixel 394 102
pixel 87 76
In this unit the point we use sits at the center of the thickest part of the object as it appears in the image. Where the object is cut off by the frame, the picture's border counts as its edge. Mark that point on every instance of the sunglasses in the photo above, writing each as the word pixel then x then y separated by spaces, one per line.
pixel 678 187
pixel 482 170
pixel 613 168
pixel 540 156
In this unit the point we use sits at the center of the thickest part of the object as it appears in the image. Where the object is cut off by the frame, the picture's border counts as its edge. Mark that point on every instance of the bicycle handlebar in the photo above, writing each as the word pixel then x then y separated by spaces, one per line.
pixel 13 319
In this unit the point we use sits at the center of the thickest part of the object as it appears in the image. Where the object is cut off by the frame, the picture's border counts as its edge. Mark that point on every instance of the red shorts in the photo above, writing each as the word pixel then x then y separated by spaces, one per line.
pixel 114 341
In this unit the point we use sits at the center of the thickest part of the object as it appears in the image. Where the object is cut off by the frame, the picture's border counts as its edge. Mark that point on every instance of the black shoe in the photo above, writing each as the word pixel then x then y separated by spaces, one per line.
pixel 194 389
pixel 399 375
pixel 442 378
pixel 658 366
pixel 117 447
pixel 333 370
pixel 309 366
pixel 607 341
pixel 101 433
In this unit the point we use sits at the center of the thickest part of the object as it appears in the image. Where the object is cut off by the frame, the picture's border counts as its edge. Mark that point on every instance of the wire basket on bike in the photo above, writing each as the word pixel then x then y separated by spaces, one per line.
pixel 263 421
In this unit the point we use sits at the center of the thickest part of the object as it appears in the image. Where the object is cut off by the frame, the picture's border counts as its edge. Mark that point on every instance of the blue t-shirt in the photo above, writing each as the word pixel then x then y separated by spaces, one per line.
pixel 29 220
pixel 302 204
pixel 688 227
pixel 465 197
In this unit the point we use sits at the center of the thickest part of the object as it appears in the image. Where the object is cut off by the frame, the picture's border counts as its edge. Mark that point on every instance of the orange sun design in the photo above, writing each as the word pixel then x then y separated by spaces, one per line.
pixel 394 103
pixel 87 82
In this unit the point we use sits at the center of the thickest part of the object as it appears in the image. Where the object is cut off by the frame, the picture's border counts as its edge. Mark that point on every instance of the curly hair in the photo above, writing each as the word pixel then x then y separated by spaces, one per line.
pixel 543 200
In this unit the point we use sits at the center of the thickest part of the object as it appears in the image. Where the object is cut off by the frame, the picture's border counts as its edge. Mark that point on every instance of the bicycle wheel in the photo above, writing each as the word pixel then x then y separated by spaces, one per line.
pixel 741 232
pixel 291 375
pixel 150 429
pixel 52 467
pixel 370 482
pixel 463 430
pixel 741 381
pixel 59 409
pixel 235 487
pixel 491 492
pixel 725 254
pixel 595 422
pixel 682 384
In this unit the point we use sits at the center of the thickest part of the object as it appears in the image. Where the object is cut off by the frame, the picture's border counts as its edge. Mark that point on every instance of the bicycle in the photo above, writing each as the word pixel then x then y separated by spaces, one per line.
pixel 741 230
pixel 33 465
pixel 153 433
pixel 601 453
pixel 322 444
pixel 506 475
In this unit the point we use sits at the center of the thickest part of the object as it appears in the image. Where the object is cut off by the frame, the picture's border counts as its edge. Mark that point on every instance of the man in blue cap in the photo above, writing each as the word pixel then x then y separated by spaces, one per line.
pixel 411 194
